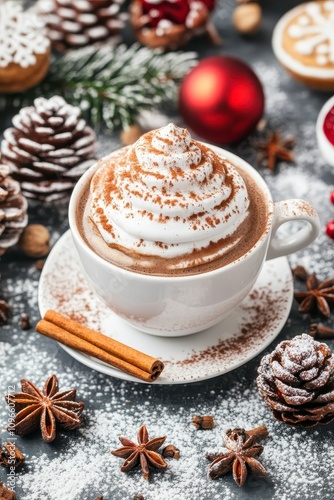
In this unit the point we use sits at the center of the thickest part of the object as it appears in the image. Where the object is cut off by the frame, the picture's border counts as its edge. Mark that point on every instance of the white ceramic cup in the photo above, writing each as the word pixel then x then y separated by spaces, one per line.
pixel 174 306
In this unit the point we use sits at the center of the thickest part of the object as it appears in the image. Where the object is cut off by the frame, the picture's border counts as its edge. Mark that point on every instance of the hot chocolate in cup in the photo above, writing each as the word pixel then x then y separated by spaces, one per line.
pixel 172 233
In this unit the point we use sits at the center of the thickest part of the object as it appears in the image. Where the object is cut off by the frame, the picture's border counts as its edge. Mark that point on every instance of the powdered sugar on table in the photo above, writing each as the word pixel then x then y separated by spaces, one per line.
pixel 79 466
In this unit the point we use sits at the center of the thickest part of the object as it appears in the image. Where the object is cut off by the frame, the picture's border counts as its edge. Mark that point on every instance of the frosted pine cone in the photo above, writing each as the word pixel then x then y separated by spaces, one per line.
pixel 83 22
pixel 296 382
pixel 13 210
pixel 49 148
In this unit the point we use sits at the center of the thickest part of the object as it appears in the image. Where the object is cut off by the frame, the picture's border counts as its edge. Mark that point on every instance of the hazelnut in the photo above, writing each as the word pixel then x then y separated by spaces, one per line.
pixel 35 241
pixel 247 18
pixel 130 135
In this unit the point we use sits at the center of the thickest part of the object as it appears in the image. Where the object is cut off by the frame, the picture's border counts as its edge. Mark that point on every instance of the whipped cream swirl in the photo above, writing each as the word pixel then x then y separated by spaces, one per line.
pixel 169 196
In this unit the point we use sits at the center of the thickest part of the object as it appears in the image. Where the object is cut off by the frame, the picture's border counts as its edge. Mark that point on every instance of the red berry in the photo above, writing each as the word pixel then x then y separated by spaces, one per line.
pixel 330 229
pixel 332 197
pixel 329 125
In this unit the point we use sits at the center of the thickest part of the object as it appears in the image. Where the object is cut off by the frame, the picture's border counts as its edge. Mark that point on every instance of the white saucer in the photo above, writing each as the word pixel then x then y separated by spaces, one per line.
pixel 212 352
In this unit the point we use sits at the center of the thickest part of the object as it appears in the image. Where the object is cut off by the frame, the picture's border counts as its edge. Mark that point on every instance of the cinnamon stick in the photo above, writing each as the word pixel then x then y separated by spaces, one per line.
pixel 320 331
pixel 64 336
pixel 122 351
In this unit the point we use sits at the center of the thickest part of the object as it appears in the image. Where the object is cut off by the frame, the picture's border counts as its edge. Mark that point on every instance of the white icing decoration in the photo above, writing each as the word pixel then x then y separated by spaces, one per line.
pixel 21 36
pixel 154 13
pixel 303 21
pixel 316 71
pixel 322 49
pixel 318 32
pixel 321 60
pixel 163 26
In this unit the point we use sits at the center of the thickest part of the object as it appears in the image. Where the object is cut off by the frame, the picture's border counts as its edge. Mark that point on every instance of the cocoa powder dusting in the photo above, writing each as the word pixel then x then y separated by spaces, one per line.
pixel 262 312
pixel 75 301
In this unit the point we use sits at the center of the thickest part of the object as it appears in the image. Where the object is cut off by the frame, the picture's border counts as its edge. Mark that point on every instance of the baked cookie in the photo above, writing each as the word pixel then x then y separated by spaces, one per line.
pixel 170 24
pixel 303 43
pixel 24 49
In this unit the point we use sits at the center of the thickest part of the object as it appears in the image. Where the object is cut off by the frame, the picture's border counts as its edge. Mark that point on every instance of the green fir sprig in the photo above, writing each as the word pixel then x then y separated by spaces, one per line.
pixel 112 85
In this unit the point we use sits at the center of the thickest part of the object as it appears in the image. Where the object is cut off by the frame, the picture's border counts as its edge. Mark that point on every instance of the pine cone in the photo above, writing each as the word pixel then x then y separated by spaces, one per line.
pixel 13 210
pixel 296 382
pixel 83 22
pixel 49 148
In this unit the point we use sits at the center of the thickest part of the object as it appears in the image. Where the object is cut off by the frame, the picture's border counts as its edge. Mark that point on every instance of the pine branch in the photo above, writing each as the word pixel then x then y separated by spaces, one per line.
pixel 112 86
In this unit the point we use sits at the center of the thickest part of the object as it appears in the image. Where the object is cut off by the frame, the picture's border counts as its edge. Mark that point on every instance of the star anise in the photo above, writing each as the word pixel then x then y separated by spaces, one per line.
pixel 6 493
pixel 318 296
pixel 274 148
pixel 241 456
pixel 10 456
pixel 44 409
pixel 144 453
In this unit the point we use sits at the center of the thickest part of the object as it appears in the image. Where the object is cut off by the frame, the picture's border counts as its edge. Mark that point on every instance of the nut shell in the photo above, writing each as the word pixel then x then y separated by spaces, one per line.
pixel 247 18
pixel 130 135
pixel 35 241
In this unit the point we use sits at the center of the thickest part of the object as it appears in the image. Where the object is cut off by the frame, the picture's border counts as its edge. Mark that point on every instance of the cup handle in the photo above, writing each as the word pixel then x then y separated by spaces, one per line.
pixel 293 210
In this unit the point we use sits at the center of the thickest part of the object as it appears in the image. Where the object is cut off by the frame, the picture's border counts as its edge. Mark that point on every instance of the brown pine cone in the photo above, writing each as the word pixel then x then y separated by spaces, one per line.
pixel 81 23
pixel 296 382
pixel 48 148
pixel 13 210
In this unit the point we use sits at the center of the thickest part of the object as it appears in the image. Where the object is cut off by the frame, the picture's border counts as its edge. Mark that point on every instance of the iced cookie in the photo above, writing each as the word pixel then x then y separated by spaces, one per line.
pixel 24 49
pixel 303 43
pixel 171 24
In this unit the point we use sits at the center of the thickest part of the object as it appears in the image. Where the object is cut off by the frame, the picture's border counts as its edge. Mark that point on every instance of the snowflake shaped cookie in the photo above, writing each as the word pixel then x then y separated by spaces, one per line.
pixel 22 36
pixel 303 42
pixel 314 32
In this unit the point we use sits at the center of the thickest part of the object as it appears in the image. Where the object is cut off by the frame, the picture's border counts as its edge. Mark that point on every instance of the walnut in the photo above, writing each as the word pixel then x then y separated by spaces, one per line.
pixel 247 18
pixel 130 135
pixel 35 241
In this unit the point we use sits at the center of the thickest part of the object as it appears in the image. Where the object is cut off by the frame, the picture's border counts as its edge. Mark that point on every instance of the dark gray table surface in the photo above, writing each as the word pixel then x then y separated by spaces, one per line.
pixel 78 465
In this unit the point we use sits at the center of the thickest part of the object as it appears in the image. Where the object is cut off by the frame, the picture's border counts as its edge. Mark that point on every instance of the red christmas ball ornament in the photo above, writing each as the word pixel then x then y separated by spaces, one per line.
pixel 330 229
pixel 221 99
pixel 332 197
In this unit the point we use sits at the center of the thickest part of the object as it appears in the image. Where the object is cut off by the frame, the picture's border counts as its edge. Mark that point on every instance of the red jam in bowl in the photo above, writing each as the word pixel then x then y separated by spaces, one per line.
pixel 329 126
